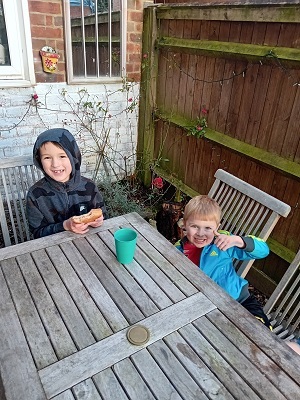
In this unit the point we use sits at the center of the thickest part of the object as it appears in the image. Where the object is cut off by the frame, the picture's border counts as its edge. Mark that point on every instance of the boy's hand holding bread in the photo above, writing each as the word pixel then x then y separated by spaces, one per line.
pixel 88 217
pixel 77 224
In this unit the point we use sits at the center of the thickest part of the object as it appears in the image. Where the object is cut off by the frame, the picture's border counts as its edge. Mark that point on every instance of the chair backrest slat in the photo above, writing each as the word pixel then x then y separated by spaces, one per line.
pixel 283 306
pixel 4 227
pixel 245 216
pixel 256 216
pixel 13 179
pixel 246 210
pixel 17 175
pixel 21 193
pixel 6 180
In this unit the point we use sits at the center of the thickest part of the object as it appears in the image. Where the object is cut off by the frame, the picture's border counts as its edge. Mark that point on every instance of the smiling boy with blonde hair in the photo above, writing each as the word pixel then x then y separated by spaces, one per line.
pixel 213 251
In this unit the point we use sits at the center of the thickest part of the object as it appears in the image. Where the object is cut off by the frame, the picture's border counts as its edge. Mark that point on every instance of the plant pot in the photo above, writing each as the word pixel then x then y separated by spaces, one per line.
pixel 49 61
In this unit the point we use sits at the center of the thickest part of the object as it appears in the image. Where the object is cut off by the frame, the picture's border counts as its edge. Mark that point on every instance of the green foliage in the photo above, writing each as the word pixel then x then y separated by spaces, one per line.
pixel 199 129
pixel 102 5
pixel 120 198
pixel 130 195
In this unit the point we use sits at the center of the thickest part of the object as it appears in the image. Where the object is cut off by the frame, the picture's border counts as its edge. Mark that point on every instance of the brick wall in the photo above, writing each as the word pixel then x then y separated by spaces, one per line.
pixel 134 38
pixel 47 29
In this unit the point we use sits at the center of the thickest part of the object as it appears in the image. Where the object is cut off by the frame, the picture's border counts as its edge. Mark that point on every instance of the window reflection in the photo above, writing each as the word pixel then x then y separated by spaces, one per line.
pixel 96 37
pixel 4 50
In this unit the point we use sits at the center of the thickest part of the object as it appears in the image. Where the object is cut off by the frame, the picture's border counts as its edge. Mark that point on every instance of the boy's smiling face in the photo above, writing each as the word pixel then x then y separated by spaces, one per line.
pixel 199 232
pixel 55 162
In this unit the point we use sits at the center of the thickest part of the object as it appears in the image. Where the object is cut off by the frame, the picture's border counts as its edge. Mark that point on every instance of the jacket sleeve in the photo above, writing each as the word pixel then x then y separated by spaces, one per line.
pixel 38 225
pixel 255 248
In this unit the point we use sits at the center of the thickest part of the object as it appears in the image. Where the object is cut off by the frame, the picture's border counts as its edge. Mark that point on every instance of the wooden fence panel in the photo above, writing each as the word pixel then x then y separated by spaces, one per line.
pixel 246 74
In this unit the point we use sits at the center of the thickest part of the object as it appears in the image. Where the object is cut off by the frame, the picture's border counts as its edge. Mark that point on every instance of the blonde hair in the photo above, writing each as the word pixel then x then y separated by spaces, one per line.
pixel 204 208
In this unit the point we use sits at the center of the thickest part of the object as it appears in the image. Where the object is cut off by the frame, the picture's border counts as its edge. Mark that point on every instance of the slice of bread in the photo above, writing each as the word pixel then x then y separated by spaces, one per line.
pixel 88 217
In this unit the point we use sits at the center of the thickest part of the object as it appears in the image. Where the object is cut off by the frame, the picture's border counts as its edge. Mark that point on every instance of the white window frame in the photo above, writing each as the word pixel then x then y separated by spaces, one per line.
pixel 21 71
pixel 68 43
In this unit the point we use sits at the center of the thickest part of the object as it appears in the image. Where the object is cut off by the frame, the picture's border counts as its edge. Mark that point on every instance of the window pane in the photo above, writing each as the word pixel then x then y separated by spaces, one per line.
pixel 96 36
pixel 4 50
pixel 116 38
pixel 103 26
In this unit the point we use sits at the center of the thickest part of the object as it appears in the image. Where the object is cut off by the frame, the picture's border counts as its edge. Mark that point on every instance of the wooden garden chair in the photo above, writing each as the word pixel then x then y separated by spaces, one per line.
pixel 283 307
pixel 17 174
pixel 247 210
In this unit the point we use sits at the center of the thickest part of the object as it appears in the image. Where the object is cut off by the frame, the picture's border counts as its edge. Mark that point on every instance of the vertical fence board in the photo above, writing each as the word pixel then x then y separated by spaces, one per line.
pixel 285 102
pixel 256 111
pixel 290 140
pixel 269 109
pixel 225 96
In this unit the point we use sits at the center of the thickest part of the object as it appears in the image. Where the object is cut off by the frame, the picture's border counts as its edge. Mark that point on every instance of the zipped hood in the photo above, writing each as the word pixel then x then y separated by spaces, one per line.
pixel 67 141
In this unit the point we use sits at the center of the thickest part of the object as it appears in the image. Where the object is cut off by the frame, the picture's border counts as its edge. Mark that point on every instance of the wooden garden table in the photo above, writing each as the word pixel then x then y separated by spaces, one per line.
pixel 76 324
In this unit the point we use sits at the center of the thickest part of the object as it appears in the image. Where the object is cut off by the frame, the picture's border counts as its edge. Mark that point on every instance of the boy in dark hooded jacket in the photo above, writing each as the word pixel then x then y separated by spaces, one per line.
pixel 63 192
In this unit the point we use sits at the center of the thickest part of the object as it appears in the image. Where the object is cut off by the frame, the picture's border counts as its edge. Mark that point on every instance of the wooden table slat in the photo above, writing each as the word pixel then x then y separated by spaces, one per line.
pixel 91 360
pixel 57 332
pixel 68 310
pixel 157 248
pixel 133 383
pixel 130 288
pixel 86 390
pixel 175 371
pixel 159 384
pixel 94 286
pixel 109 386
pixel 162 272
pixel 101 268
pixel 247 323
pixel 18 371
pixel 232 353
pixel 148 285
pixel 80 290
pixel 40 345
pixel 58 238
pixel 197 368
pixel 267 366
pixel 67 395
pixel 223 370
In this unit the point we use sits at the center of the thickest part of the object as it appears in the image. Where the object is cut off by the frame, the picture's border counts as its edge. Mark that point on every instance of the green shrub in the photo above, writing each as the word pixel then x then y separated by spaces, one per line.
pixel 121 198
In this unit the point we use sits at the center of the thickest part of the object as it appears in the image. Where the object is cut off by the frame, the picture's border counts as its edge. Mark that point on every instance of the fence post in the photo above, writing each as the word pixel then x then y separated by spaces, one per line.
pixel 145 145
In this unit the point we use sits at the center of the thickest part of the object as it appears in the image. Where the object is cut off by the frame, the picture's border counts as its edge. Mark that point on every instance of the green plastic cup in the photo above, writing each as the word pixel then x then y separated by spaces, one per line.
pixel 125 241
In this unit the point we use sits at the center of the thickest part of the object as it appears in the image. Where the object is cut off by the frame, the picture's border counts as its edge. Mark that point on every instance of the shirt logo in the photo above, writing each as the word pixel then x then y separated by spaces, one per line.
pixel 213 253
